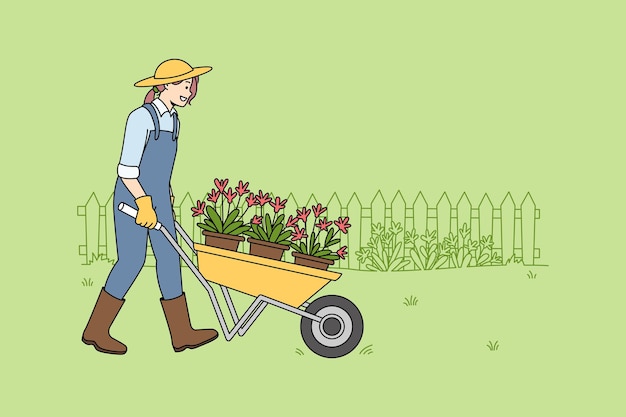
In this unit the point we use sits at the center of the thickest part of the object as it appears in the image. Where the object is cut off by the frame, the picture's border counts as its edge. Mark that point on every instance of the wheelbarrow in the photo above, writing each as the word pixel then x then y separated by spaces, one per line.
pixel 331 325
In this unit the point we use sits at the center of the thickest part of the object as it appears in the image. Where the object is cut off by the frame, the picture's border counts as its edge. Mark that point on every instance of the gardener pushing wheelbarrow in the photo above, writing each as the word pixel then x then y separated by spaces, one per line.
pixel 144 173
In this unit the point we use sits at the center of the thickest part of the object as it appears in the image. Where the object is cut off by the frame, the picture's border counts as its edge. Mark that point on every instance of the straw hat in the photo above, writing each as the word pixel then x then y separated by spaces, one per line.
pixel 171 71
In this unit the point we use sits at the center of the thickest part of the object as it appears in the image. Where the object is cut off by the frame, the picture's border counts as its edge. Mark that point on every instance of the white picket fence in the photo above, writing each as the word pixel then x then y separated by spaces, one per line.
pixel 512 227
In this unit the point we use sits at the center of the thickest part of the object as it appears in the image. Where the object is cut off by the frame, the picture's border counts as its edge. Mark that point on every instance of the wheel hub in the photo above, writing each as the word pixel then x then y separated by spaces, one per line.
pixel 331 326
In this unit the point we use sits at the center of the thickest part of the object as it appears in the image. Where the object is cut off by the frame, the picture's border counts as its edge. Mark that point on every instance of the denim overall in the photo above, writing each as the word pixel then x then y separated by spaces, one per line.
pixel 155 171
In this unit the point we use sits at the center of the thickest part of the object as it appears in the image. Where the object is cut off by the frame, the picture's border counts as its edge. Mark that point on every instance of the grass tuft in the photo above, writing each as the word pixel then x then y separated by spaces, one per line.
pixel 87 282
pixel 299 352
pixel 493 346
pixel 530 275
pixel 410 301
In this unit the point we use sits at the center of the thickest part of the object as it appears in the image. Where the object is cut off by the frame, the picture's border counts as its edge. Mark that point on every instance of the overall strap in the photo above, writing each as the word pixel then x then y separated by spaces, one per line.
pixel 175 126
pixel 155 119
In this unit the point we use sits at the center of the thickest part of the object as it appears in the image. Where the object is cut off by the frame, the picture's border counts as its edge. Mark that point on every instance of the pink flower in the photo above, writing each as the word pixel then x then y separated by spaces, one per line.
pixel 292 221
pixel 298 234
pixel 318 210
pixel 303 214
pixel 221 185
pixel 214 196
pixel 263 198
pixel 342 252
pixel 242 188
pixel 251 200
pixel 256 219
pixel 230 195
pixel 323 224
pixel 278 204
pixel 199 208
pixel 342 224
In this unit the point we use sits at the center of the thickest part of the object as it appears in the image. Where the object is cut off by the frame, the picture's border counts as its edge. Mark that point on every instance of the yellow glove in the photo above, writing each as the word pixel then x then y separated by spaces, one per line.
pixel 146 216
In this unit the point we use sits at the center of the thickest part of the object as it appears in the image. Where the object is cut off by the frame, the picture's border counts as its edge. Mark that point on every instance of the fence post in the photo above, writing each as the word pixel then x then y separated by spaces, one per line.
pixel 109 229
pixel 354 211
pixel 463 215
pixel 507 230
pixel 444 217
pixel 379 207
pixel 420 214
pixel 485 217
pixel 398 215
pixel 92 227
pixel 528 230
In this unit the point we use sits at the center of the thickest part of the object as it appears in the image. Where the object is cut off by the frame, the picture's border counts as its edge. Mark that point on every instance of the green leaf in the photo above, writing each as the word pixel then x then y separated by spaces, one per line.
pixel 311 242
pixel 295 246
pixel 276 232
pixel 416 260
pixel 268 225
pixel 283 236
pixel 398 264
pixel 252 234
pixel 303 248
pixel 284 242
pixel 333 242
pixel 315 248
pixel 483 259
pixel 239 231
pixel 263 234
pixel 321 253
pixel 440 262
pixel 231 218
pixel 234 225
pixel 215 218
pixel 208 227
pixel 329 235
pixel 379 263
pixel 396 251
pixel 279 219
pixel 332 257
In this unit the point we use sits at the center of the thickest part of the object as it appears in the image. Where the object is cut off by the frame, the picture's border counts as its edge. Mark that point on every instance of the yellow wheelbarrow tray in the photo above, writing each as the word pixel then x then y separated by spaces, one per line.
pixel 254 275
pixel 331 325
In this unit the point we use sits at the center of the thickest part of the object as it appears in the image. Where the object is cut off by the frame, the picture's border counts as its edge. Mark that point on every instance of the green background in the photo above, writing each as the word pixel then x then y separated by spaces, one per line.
pixel 330 96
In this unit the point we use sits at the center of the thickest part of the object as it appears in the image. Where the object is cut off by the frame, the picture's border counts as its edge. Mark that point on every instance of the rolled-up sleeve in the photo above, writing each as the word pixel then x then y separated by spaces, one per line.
pixel 138 127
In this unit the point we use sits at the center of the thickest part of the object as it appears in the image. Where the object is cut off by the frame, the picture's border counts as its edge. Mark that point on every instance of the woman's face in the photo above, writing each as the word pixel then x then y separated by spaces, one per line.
pixel 179 94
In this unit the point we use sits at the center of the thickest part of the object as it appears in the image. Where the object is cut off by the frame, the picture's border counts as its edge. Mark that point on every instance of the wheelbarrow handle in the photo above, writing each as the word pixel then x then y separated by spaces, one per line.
pixel 126 209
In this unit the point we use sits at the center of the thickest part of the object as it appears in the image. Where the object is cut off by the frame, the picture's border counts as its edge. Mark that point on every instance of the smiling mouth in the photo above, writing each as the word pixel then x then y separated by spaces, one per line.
pixel 183 99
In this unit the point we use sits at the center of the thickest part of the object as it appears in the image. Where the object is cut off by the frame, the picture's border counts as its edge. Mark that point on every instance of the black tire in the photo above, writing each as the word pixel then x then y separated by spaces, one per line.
pixel 340 330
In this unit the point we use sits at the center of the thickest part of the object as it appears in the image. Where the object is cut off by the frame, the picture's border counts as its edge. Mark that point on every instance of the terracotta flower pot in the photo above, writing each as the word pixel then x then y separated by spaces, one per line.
pixel 221 240
pixel 311 261
pixel 266 249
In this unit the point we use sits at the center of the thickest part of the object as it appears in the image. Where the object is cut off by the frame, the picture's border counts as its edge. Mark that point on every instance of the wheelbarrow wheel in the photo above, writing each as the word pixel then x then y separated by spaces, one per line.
pixel 339 331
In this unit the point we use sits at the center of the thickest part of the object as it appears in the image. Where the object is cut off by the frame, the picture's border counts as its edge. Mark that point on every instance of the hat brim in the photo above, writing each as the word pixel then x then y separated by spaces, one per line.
pixel 152 81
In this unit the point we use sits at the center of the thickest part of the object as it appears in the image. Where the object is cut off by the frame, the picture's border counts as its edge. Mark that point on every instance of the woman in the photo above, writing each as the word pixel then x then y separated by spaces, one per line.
pixel 144 172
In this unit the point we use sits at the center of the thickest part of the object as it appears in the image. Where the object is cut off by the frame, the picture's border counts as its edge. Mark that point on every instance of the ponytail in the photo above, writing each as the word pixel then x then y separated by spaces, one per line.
pixel 152 93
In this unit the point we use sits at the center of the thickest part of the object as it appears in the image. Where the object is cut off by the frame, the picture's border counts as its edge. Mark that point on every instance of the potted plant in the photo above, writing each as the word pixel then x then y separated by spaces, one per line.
pixel 223 223
pixel 313 249
pixel 268 235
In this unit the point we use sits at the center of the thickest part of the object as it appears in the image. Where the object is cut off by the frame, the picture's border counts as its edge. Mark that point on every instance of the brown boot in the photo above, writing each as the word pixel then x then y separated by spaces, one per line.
pixel 183 335
pixel 97 331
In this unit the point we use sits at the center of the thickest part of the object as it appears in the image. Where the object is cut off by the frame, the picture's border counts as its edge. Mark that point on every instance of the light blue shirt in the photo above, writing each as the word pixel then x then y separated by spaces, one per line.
pixel 138 127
